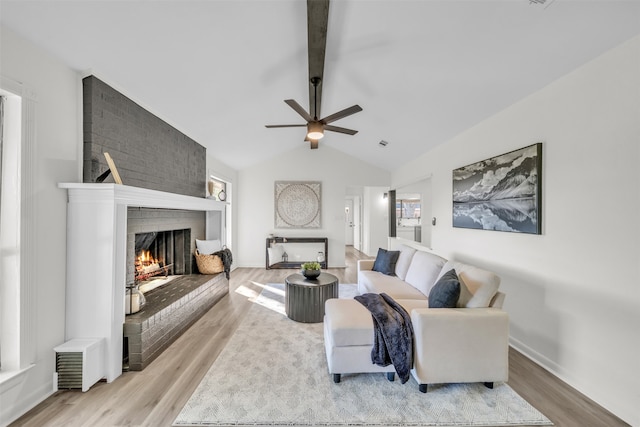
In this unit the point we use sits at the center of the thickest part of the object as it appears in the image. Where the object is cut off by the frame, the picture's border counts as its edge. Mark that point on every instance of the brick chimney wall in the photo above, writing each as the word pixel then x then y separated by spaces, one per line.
pixel 148 152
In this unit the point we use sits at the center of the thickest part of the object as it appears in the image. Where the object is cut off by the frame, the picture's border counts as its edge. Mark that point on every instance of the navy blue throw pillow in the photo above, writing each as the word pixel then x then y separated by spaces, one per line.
pixel 446 291
pixel 386 261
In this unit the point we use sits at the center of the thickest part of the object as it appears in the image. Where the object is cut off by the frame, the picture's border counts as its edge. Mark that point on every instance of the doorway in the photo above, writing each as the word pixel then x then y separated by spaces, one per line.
pixel 412 213
pixel 352 222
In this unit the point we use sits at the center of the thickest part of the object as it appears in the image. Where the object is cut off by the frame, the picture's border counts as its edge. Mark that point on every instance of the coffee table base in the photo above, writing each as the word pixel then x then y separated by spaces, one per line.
pixel 304 299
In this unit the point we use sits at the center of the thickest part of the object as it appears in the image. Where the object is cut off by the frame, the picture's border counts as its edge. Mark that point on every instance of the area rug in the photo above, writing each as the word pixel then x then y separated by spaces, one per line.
pixel 274 372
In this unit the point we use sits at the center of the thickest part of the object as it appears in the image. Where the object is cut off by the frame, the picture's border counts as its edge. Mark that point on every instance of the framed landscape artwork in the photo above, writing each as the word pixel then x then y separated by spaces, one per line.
pixel 297 204
pixel 503 193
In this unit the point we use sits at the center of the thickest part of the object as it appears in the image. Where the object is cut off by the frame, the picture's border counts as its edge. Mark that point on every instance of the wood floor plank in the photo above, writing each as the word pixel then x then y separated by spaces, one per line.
pixel 155 396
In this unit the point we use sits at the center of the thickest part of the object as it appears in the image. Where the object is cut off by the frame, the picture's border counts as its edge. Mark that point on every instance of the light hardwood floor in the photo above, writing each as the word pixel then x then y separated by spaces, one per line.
pixel 155 396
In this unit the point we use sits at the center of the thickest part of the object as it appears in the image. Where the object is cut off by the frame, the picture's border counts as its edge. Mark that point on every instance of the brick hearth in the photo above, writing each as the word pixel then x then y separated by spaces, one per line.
pixel 169 311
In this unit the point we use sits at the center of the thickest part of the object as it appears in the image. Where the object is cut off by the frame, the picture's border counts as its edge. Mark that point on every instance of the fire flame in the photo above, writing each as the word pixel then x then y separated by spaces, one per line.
pixel 145 261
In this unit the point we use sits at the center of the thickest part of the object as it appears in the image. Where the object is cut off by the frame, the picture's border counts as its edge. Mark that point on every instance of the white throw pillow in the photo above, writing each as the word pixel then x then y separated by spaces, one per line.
pixel 477 286
pixel 275 254
pixel 423 271
pixel 404 261
pixel 207 247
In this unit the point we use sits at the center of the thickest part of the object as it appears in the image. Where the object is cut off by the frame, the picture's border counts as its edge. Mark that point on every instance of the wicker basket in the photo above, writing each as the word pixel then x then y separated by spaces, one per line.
pixel 209 264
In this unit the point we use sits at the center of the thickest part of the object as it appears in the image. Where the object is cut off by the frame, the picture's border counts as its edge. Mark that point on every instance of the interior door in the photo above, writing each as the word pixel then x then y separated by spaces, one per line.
pixel 348 222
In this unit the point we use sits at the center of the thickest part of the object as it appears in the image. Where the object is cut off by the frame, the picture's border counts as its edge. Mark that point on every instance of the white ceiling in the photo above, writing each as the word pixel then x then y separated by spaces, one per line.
pixel 423 71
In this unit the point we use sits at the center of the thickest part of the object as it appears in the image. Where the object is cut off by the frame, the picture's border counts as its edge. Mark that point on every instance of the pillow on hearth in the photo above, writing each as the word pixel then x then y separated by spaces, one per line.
pixel 207 247
pixel 385 262
pixel 446 291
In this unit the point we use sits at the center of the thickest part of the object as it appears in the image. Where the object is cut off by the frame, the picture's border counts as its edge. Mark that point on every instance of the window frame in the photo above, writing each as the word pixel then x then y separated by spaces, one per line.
pixel 17 240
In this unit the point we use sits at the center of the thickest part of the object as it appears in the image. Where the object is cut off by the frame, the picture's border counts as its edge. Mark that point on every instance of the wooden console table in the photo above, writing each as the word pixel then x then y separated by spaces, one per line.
pixel 296 264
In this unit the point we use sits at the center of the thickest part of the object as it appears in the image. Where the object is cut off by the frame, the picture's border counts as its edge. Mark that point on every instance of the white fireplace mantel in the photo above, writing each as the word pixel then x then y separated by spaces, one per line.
pixel 96 257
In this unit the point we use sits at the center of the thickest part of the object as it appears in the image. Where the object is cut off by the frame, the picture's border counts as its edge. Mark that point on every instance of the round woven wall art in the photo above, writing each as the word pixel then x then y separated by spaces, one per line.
pixel 297 204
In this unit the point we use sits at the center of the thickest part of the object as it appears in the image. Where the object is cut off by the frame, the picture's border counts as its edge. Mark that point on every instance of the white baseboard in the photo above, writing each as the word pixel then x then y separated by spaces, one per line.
pixel 557 371
pixel 25 404
pixel 536 357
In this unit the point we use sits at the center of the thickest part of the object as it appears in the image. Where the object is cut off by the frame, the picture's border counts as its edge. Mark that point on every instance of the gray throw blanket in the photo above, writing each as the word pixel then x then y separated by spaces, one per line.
pixel 393 333
pixel 227 259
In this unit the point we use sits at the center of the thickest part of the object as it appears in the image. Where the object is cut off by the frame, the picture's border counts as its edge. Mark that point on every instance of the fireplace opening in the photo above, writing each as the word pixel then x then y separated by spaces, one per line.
pixel 159 257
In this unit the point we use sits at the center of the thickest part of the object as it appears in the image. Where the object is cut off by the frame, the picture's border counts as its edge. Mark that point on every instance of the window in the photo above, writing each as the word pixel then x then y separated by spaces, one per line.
pixel 17 241
pixel 408 208
pixel 1 138
pixel 217 188
pixel 221 189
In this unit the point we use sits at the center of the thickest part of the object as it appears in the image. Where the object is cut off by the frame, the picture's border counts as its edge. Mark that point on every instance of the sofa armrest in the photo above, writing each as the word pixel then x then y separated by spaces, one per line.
pixel 365 264
pixel 498 300
pixel 460 345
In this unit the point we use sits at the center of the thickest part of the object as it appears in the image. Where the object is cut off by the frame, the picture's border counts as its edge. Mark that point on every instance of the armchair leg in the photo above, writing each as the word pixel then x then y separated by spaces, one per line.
pixel 489 385
pixel 336 378
pixel 391 376
pixel 422 388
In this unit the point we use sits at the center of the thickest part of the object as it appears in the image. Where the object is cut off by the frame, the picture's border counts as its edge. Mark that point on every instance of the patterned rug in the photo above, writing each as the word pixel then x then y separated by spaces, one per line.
pixel 274 372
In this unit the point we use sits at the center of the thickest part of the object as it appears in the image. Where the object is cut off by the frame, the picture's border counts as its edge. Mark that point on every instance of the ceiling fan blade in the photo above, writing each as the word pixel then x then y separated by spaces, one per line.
pixel 298 108
pixel 285 126
pixel 340 114
pixel 340 130
pixel 317 20
pixel 314 144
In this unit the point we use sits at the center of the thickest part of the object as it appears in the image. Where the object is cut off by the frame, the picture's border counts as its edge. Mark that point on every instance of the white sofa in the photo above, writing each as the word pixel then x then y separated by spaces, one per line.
pixel 468 343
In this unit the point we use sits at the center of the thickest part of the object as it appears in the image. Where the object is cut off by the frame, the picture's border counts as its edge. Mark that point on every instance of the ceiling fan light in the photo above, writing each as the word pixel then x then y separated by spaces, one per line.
pixel 315 130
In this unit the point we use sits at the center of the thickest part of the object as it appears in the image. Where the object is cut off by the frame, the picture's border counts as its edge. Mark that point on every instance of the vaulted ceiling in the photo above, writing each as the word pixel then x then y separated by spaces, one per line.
pixel 423 71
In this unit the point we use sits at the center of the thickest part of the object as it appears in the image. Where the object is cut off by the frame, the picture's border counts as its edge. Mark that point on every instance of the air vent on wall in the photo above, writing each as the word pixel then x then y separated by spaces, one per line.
pixel 79 363
pixel 69 369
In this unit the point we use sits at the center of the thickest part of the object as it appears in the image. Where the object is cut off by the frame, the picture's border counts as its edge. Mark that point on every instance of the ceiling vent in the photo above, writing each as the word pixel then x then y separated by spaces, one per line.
pixel 383 143
pixel 542 2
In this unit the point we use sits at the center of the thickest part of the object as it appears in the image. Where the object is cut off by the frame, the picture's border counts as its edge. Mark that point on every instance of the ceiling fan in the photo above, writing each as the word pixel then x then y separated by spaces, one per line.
pixel 317 19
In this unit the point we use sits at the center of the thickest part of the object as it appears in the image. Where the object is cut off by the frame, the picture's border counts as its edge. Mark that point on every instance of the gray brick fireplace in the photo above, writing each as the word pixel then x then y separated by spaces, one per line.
pixel 164 177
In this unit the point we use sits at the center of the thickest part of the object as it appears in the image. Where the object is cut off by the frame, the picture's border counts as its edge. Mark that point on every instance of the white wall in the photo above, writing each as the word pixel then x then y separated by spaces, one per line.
pixel 375 221
pixel 255 200
pixel 57 140
pixel 573 293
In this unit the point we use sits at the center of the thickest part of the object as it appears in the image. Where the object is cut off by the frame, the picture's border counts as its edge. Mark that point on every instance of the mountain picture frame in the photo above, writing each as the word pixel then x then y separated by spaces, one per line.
pixel 502 193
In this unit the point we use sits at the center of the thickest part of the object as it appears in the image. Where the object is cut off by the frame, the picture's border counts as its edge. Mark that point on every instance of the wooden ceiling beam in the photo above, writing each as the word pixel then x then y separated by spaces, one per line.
pixel 317 20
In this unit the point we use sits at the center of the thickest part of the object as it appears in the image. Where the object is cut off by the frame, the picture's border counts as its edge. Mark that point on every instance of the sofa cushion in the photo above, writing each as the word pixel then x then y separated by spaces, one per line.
pixel 348 323
pixel 424 270
pixel 446 291
pixel 377 283
pixel 385 261
pixel 477 286
pixel 404 261
pixel 411 304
